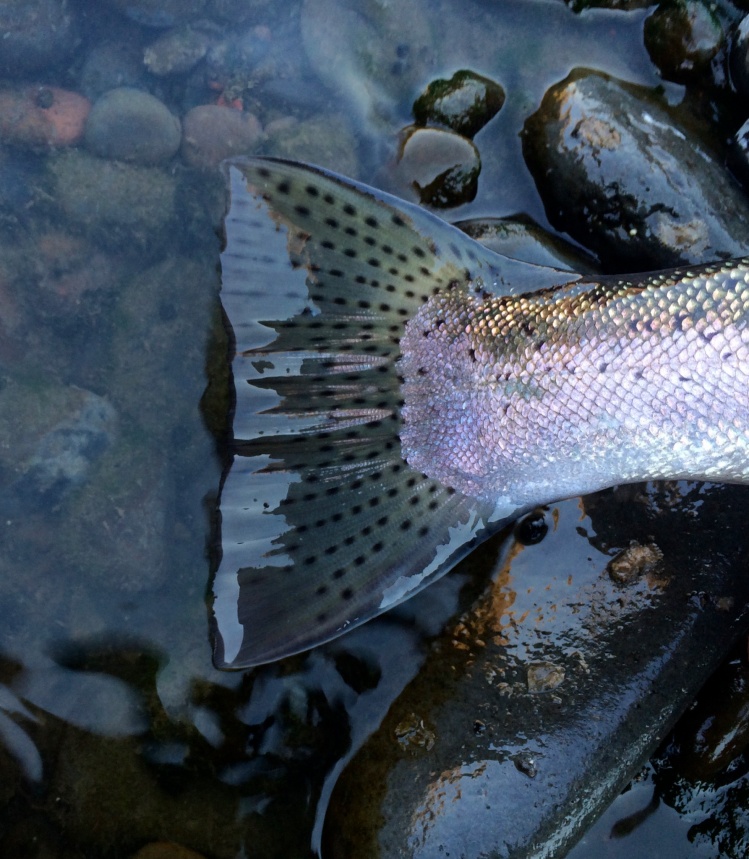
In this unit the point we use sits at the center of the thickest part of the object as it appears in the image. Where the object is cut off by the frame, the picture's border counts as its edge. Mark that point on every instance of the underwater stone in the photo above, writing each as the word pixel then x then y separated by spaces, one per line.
pixel 159 13
pixel 465 103
pixel 178 50
pixel 128 124
pixel 392 44
pixel 109 66
pixel 39 117
pixel 682 36
pixel 212 132
pixel 50 436
pixel 121 205
pixel 236 58
pixel 616 172
pixel 325 140
pixel 36 34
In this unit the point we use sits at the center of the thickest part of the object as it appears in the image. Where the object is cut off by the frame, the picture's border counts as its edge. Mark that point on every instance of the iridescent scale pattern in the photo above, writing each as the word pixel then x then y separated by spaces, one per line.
pixel 580 386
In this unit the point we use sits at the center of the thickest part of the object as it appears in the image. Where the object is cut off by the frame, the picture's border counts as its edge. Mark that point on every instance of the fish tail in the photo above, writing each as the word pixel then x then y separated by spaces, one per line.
pixel 324 522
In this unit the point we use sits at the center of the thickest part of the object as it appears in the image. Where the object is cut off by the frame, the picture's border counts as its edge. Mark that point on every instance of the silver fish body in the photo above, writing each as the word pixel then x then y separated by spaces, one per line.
pixel 402 393
pixel 577 388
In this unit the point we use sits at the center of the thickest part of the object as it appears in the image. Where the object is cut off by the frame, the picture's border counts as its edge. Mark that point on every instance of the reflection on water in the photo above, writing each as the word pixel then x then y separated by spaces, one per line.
pixel 116 732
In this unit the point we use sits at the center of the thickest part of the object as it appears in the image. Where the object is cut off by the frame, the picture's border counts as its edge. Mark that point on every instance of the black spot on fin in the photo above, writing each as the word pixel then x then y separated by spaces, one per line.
pixel 324 525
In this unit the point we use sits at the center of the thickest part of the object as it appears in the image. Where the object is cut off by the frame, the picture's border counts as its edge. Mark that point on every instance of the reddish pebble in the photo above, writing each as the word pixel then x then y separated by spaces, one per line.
pixel 212 132
pixel 42 116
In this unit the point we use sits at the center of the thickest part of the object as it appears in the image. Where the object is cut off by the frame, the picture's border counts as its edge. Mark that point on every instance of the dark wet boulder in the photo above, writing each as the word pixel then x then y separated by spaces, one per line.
pixel 539 703
pixel 682 37
pixel 464 103
pixel 519 237
pixel 738 155
pixel 619 174
pixel 739 56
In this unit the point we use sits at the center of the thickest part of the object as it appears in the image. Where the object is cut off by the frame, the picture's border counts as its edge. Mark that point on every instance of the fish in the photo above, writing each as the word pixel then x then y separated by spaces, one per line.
pixel 401 393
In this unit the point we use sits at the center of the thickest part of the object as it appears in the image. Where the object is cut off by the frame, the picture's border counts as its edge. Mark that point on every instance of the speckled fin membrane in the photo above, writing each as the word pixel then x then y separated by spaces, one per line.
pixel 324 525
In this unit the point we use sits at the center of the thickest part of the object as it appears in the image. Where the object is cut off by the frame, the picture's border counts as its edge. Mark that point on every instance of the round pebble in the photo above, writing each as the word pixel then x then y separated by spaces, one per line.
pixel 41 116
pixel 441 167
pixel 35 34
pixel 465 103
pixel 128 124
pixel 212 133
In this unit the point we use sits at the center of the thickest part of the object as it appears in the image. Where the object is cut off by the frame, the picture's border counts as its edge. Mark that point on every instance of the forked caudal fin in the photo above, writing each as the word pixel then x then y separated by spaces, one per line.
pixel 324 524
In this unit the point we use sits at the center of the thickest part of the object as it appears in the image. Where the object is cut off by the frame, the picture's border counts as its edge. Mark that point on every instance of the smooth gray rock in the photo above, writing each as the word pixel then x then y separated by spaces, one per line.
pixel 127 124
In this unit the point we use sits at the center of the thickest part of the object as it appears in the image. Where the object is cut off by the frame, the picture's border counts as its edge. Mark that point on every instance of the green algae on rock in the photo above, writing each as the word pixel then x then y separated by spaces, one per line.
pixel 465 103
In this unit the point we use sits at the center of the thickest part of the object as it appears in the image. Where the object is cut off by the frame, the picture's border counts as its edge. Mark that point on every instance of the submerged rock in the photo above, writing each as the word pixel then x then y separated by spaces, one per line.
pixel 618 173
pixel 212 132
pixel 36 34
pixel 383 52
pixel 324 140
pixel 37 116
pixel 178 50
pixel 464 103
pixel 109 66
pixel 127 124
pixel 160 13
pixel 121 205
pixel 50 436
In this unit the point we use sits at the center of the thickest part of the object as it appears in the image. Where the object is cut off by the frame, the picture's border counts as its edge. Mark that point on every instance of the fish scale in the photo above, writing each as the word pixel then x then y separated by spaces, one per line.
pixel 618 383
pixel 402 393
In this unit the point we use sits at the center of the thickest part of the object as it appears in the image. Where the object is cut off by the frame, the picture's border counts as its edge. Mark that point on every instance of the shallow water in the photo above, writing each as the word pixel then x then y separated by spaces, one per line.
pixel 115 729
